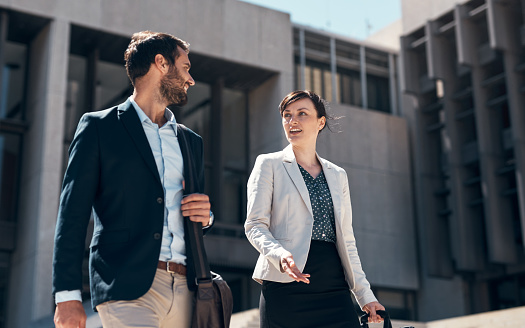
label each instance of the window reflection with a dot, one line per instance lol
(9, 165)
(13, 74)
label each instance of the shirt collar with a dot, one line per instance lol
(168, 114)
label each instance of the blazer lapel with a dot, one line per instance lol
(290, 164)
(129, 118)
(335, 186)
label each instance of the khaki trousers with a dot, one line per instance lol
(168, 303)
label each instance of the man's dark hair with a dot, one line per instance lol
(143, 48)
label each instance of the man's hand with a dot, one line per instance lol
(288, 266)
(371, 309)
(70, 314)
(197, 208)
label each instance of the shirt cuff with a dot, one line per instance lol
(68, 295)
(212, 217)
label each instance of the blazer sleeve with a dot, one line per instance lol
(258, 218)
(361, 288)
(76, 199)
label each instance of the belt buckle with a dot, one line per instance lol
(168, 267)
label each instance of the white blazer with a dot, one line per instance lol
(280, 219)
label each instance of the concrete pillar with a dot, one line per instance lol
(364, 91)
(394, 101)
(498, 218)
(333, 69)
(464, 228)
(4, 20)
(30, 293)
(505, 26)
(302, 59)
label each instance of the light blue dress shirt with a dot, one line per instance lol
(168, 157)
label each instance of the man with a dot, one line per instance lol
(126, 165)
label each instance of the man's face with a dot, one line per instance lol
(174, 85)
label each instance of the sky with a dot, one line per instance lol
(352, 18)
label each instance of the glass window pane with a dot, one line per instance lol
(317, 81)
(13, 75)
(378, 93)
(113, 85)
(327, 85)
(307, 78)
(9, 167)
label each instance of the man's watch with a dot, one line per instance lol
(210, 222)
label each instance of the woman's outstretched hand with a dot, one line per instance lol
(371, 309)
(288, 266)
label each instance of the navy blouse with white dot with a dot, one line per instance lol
(322, 206)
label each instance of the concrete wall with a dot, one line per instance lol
(416, 12)
(373, 148)
(227, 29)
(388, 36)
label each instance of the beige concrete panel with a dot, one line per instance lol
(398, 145)
(388, 36)
(416, 13)
(378, 141)
(439, 298)
(21, 285)
(266, 131)
(34, 7)
(243, 27)
(205, 26)
(276, 42)
(398, 216)
(388, 260)
(358, 182)
(89, 12)
(376, 202)
(355, 135)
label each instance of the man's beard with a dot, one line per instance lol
(172, 88)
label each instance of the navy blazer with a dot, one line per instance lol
(112, 172)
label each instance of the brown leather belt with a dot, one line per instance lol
(172, 267)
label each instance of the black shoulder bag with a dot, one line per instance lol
(213, 300)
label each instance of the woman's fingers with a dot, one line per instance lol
(291, 269)
(371, 309)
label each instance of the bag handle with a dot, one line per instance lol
(193, 230)
(386, 324)
(383, 314)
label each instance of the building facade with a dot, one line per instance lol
(60, 59)
(463, 83)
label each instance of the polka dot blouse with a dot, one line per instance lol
(322, 206)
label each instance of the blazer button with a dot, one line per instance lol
(156, 236)
(159, 200)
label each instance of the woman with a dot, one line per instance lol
(300, 220)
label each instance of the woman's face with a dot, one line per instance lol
(301, 124)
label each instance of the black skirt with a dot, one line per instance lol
(324, 303)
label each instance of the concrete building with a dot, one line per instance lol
(436, 171)
(463, 83)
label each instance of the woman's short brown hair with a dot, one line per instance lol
(321, 106)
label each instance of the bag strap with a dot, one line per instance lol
(193, 230)
(383, 314)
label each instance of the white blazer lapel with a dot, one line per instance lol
(335, 185)
(290, 164)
